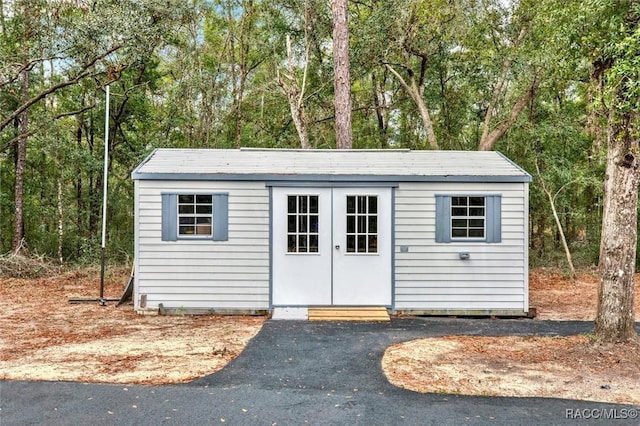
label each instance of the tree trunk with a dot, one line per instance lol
(295, 96)
(416, 92)
(379, 105)
(615, 317)
(498, 89)
(563, 239)
(21, 161)
(78, 183)
(60, 218)
(342, 74)
(488, 142)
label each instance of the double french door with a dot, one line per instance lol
(331, 246)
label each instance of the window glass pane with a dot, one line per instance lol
(476, 233)
(313, 204)
(313, 243)
(291, 204)
(302, 204)
(373, 204)
(373, 244)
(351, 243)
(313, 223)
(362, 204)
(459, 233)
(203, 229)
(302, 243)
(202, 208)
(458, 211)
(302, 224)
(291, 244)
(185, 198)
(201, 220)
(291, 223)
(187, 220)
(185, 209)
(476, 223)
(459, 223)
(362, 243)
(373, 224)
(458, 201)
(476, 201)
(476, 211)
(187, 230)
(362, 224)
(351, 224)
(203, 199)
(351, 204)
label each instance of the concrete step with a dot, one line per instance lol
(369, 313)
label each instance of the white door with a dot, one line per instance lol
(331, 246)
(362, 246)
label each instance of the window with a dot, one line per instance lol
(362, 224)
(195, 216)
(302, 224)
(468, 218)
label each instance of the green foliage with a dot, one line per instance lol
(204, 74)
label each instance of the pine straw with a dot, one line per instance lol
(20, 265)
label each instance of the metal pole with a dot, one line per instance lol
(104, 197)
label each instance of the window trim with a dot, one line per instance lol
(468, 217)
(195, 215)
(493, 218)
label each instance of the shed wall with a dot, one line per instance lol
(193, 274)
(431, 276)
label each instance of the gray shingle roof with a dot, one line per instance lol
(333, 165)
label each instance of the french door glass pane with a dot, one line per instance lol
(302, 224)
(373, 224)
(362, 224)
(373, 204)
(351, 243)
(351, 204)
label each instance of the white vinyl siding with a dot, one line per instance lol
(204, 274)
(431, 275)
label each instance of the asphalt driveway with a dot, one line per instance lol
(296, 372)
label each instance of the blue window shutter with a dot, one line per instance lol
(443, 219)
(494, 218)
(169, 217)
(220, 217)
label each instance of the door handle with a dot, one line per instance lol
(337, 246)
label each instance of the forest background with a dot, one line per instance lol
(531, 79)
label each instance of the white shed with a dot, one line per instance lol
(257, 231)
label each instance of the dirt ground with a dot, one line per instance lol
(572, 367)
(46, 338)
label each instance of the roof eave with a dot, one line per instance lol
(271, 177)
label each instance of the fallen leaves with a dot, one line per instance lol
(572, 367)
(46, 338)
